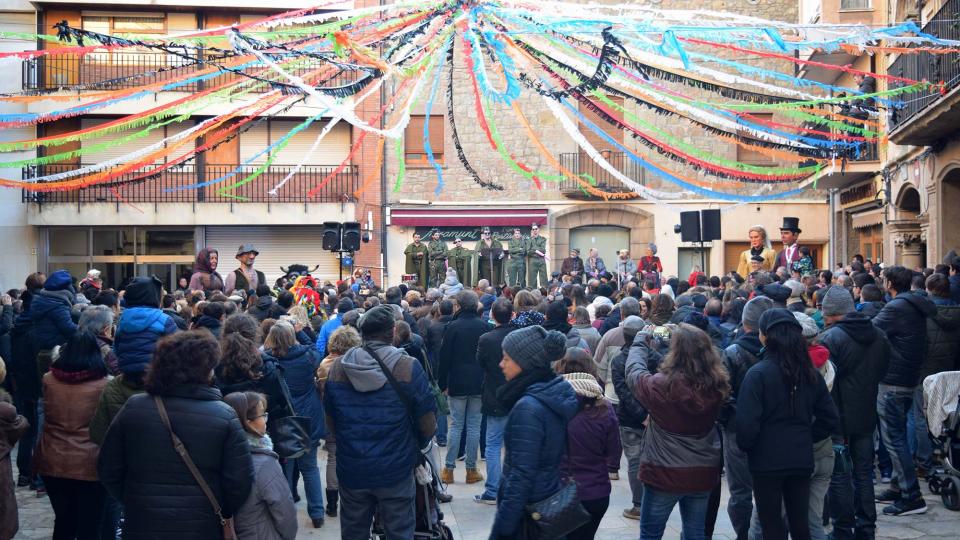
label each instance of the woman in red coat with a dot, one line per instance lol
(650, 265)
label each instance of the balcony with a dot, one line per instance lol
(339, 189)
(581, 164)
(130, 69)
(854, 168)
(930, 116)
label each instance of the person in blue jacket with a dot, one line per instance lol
(298, 364)
(343, 306)
(50, 311)
(142, 323)
(541, 405)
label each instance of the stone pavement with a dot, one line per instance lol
(471, 521)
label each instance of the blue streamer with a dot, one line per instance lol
(512, 90)
(427, 147)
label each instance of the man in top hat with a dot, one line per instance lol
(416, 259)
(460, 258)
(517, 268)
(490, 261)
(245, 277)
(537, 258)
(789, 235)
(437, 249)
(573, 265)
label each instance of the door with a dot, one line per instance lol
(607, 239)
(687, 258)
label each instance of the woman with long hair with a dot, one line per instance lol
(783, 407)
(681, 457)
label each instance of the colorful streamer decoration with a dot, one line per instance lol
(646, 83)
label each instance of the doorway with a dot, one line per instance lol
(687, 258)
(607, 239)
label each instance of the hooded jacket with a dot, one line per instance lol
(943, 342)
(451, 285)
(904, 319)
(534, 439)
(860, 353)
(376, 444)
(297, 368)
(738, 358)
(52, 323)
(138, 330)
(870, 309)
(266, 308)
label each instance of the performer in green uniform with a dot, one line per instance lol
(490, 258)
(460, 259)
(416, 262)
(536, 258)
(438, 259)
(516, 267)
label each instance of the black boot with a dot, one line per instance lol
(332, 497)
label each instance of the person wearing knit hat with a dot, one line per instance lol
(141, 325)
(795, 301)
(776, 292)
(753, 310)
(50, 311)
(837, 301)
(541, 405)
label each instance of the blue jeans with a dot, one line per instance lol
(442, 428)
(658, 505)
(395, 506)
(852, 508)
(495, 427)
(819, 484)
(893, 404)
(918, 439)
(312, 485)
(740, 483)
(465, 411)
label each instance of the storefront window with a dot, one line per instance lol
(112, 242)
(154, 242)
(69, 242)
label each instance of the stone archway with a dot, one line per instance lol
(638, 222)
(949, 223)
(909, 240)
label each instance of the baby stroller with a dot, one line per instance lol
(429, 518)
(941, 397)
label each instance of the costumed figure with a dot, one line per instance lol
(517, 267)
(461, 259)
(245, 277)
(594, 266)
(537, 258)
(759, 247)
(573, 265)
(437, 249)
(491, 255)
(790, 236)
(416, 263)
(650, 265)
(305, 294)
(205, 277)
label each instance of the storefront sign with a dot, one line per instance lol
(470, 234)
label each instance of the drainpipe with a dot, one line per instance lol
(383, 184)
(832, 230)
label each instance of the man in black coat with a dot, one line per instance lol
(631, 415)
(461, 377)
(904, 320)
(433, 339)
(860, 353)
(395, 296)
(489, 355)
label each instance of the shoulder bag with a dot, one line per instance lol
(291, 435)
(226, 523)
(443, 406)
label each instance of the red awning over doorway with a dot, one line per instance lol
(460, 217)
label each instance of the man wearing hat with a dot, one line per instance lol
(517, 268)
(245, 277)
(789, 235)
(537, 258)
(490, 260)
(437, 250)
(573, 265)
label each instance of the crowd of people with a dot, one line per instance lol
(183, 414)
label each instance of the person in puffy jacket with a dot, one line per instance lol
(783, 408)
(541, 405)
(298, 364)
(593, 440)
(139, 465)
(266, 307)
(269, 512)
(50, 311)
(141, 324)
(681, 456)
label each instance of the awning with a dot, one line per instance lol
(460, 217)
(869, 218)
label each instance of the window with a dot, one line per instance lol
(154, 23)
(415, 151)
(749, 155)
(854, 4)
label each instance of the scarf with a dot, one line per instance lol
(513, 390)
(560, 326)
(756, 251)
(76, 377)
(256, 441)
(584, 384)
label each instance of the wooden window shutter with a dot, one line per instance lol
(749, 155)
(414, 149)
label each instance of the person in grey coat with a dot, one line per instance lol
(269, 512)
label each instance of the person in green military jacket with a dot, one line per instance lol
(438, 259)
(416, 260)
(461, 259)
(517, 267)
(536, 258)
(490, 258)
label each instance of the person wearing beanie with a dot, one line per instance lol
(329, 327)
(783, 408)
(795, 301)
(541, 404)
(630, 413)
(377, 450)
(738, 358)
(50, 312)
(557, 320)
(266, 307)
(681, 459)
(141, 324)
(860, 353)
(836, 301)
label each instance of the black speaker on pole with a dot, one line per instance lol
(710, 222)
(690, 226)
(331, 235)
(351, 236)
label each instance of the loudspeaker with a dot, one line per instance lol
(351, 236)
(710, 220)
(331, 235)
(690, 226)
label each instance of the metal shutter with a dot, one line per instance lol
(116, 150)
(333, 149)
(279, 246)
(252, 141)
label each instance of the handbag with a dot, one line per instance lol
(226, 523)
(291, 435)
(557, 515)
